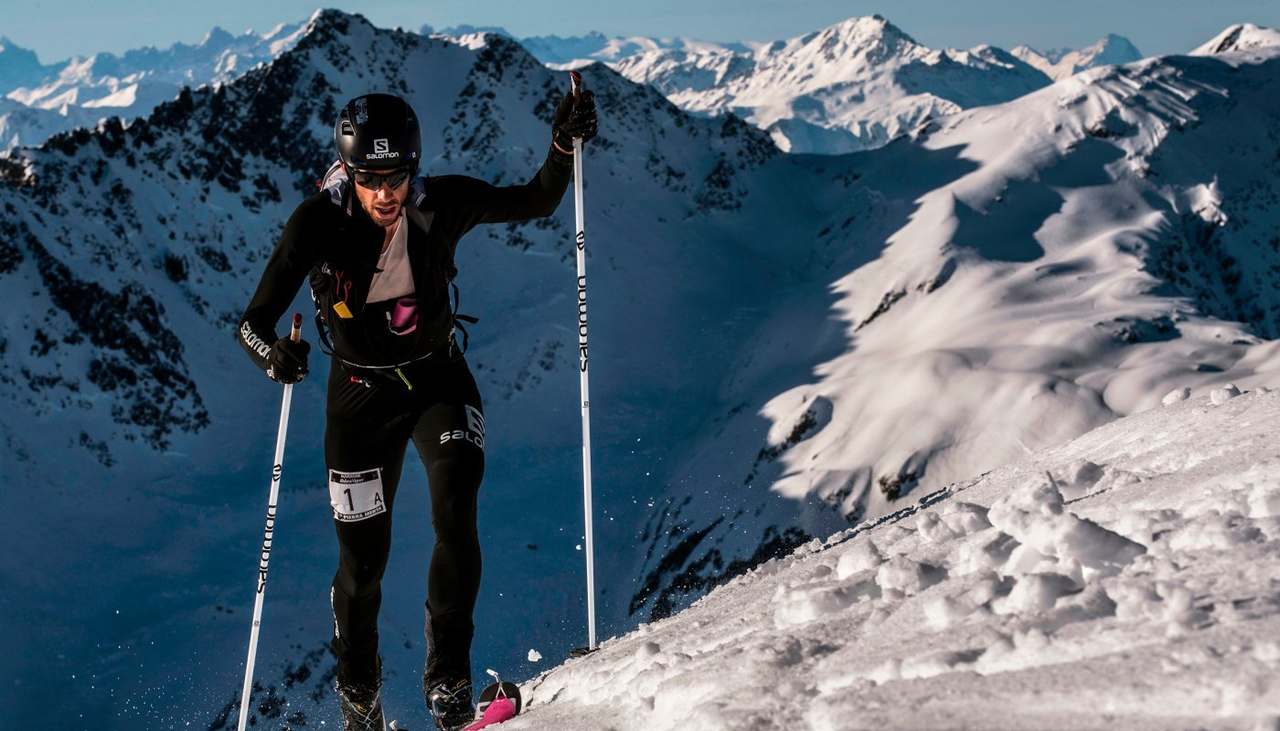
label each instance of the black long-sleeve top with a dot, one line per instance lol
(330, 238)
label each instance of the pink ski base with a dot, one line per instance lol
(501, 709)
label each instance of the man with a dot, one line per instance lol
(377, 243)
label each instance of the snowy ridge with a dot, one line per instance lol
(578, 51)
(1061, 63)
(854, 85)
(1122, 580)
(80, 91)
(1242, 38)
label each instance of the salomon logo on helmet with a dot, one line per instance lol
(377, 132)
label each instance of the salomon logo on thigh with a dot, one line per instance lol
(474, 433)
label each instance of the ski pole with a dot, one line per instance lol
(278, 466)
(575, 80)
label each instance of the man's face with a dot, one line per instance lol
(382, 195)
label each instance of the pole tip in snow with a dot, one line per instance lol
(296, 333)
(582, 651)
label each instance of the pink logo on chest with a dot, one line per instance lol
(403, 317)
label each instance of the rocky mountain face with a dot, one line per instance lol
(1060, 63)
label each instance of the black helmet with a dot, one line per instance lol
(378, 132)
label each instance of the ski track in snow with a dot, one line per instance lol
(1123, 580)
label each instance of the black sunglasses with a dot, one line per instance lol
(374, 181)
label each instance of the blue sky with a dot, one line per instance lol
(1156, 26)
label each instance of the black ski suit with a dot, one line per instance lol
(385, 389)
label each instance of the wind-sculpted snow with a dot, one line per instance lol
(1122, 580)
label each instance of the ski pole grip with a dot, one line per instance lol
(295, 334)
(575, 83)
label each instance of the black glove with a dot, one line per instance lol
(287, 361)
(575, 117)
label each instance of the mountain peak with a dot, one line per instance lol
(1060, 63)
(872, 37)
(216, 35)
(1240, 37)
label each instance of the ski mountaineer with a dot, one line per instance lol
(377, 244)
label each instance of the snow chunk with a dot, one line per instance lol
(965, 518)
(904, 577)
(1264, 501)
(986, 552)
(1216, 530)
(932, 529)
(861, 556)
(798, 606)
(1220, 396)
(1035, 593)
(534, 656)
(1035, 516)
(1176, 395)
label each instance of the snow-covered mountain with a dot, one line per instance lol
(852, 86)
(578, 51)
(1060, 63)
(1123, 580)
(568, 52)
(1239, 39)
(1004, 280)
(80, 91)
(785, 344)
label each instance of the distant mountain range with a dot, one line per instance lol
(851, 86)
(41, 100)
(1063, 62)
(854, 85)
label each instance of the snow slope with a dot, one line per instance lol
(80, 91)
(1009, 278)
(854, 85)
(1060, 63)
(1125, 579)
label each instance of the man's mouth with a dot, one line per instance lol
(387, 211)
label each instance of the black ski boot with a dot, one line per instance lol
(361, 707)
(450, 702)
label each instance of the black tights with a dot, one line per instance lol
(367, 430)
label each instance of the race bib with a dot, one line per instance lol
(356, 495)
